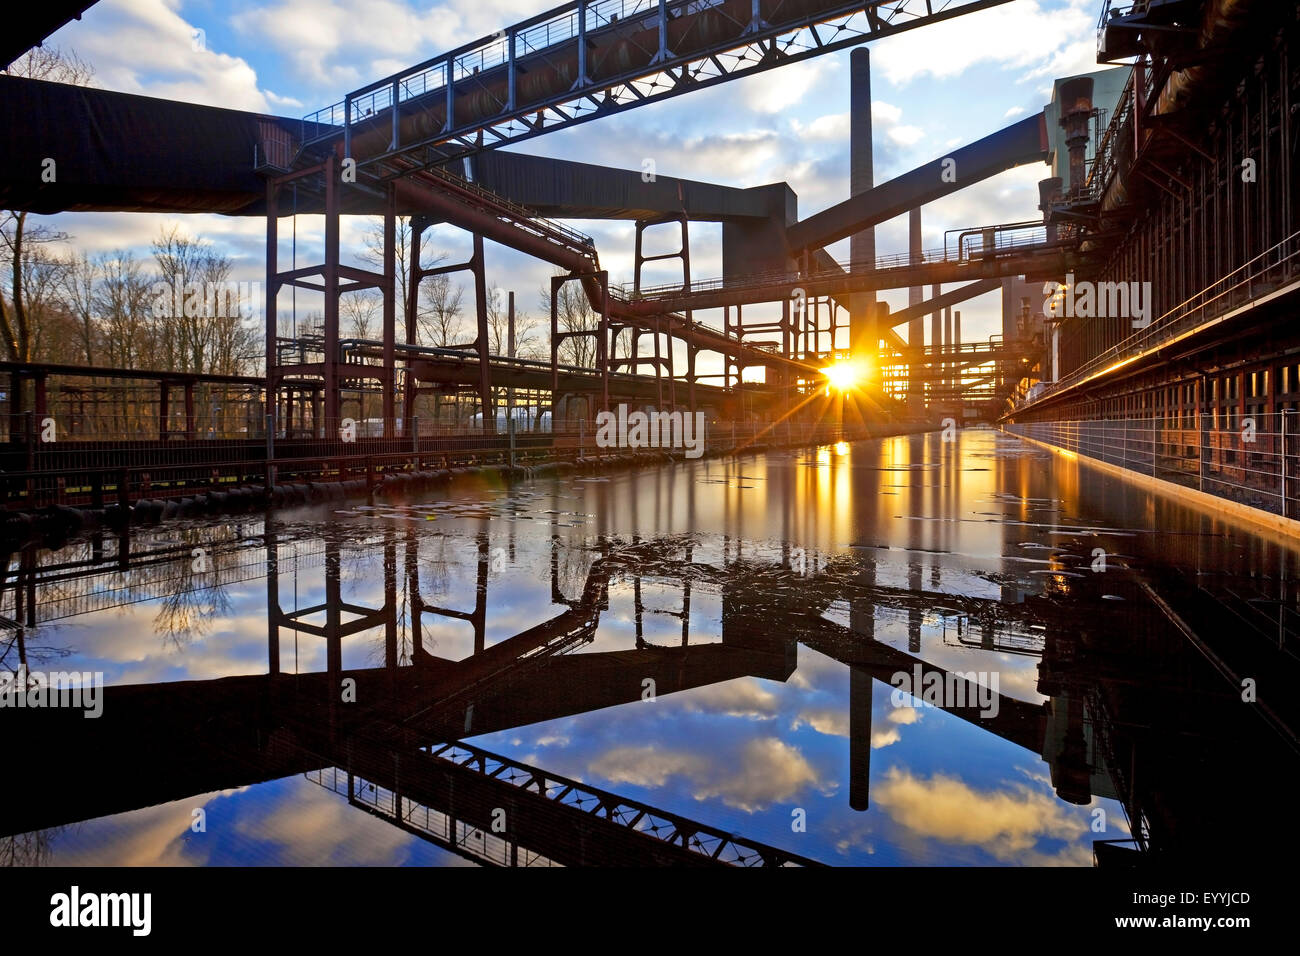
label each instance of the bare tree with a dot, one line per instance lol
(22, 253)
(122, 303)
(201, 329)
(359, 314)
(373, 255)
(574, 314)
(53, 64)
(527, 343)
(50, 322)
(78, 290)
(439, 319)
(21, 242)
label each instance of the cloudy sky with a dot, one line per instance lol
(934, 89)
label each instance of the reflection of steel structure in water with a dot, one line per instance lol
(1006, 640)
(464, 825)
(437, 827)
(119, 570)
(767, 611)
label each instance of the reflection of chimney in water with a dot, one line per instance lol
(862, 623)
(914, 614)
(860, 685)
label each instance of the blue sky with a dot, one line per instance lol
(934, 88)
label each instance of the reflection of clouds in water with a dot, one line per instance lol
(154, 836)
(832, 723)
(1008, 824)
(646, 766)
(313, 827)
(291, 822)
(1021, 681)
(123, 644)
(883, 738)
(899, 716)
(771, 771)
(817, 671)
(768, 771)
(743, 697)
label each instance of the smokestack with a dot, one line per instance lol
(1076, 113)
(916, 327)
(936, 340)
(863, 334)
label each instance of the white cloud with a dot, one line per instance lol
(113, 38)
(777, 91)
(1007, 823)
(884, 738)
(904, 715)
(831, 128)
(906, 135)
(832, 722)
(1015, 36)
(743, 697)
(646, 766)
(769, 771)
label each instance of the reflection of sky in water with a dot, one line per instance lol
(289, 822)
(981, 520)
(744, 754)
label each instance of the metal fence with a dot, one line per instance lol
(71, 471)
(1249, 459)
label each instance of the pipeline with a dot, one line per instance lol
(1221, 22)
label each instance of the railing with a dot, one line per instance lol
(532, 36)
(433, 825)
(1249, 459)
(636, 48)
(971, 243)
(112, 572)
(691, 836)
(967, 247)
(1115, 143)
(1269, 269)
(1113, 9)
(521, 214)
(101, 473)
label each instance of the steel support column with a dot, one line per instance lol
(389, 379)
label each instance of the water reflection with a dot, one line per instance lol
(691, 665)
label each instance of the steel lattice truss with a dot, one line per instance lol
(699, 838)
(775, 33)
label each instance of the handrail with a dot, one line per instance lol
(1174, 320)
(521, 211)
(851, 266)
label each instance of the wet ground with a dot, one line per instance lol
(904, 652)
